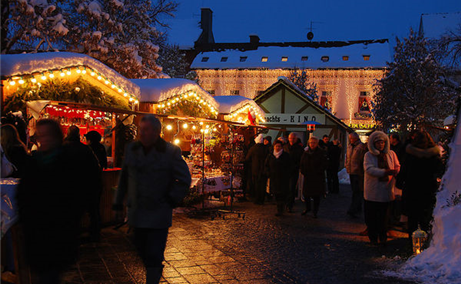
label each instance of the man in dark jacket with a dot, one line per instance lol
(155, 178)
(313, 165)
(256, 156)
(89, 164)
(295, 150)
(334, 155)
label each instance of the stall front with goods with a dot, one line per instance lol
(205, 130)
(74, 89)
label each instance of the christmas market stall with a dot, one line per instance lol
(74, 89)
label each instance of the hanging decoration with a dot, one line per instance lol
(189, 104)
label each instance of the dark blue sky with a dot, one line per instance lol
(277, 20)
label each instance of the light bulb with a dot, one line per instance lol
(169, 127)
(185, 126)
(33, 80)
(176, 141)
(12, 83)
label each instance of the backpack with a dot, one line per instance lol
(6, 167)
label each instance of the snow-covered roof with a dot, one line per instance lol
(433, 26)
(229, 104)
(157, 90)
(25, 64)
(359, 55)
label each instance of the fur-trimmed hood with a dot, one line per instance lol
(422, 153)
(377, 135)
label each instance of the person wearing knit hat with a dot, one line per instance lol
(256, 157)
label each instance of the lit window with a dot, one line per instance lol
(243, 58)
(345, 58)
(234, 92)
(224, 59)
(205, 59)
(364, 94)
(211, 92)
(304, 58)
(284, 58)
(325, 58)
(264, 59)
(366, 57)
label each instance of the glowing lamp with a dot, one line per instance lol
(194, 127)
(419, 238)
(125, 94)
(51, 75)
(107, 82)
(33, 80)
(78, 71)
(176, 141)
(43, 77)
(12, 83)
(185, 126)
(92, 73)
(310, 127)
(136, 102)
(169, 127)
(99, 77)
(68, 72)
(62, 74)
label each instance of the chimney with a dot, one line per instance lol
(254, 39)
(206, 24)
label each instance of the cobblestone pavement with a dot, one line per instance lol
(261, 248)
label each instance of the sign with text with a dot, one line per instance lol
(293, 118)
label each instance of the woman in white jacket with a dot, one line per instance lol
(381, 166)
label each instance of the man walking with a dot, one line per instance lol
(155, 178)
(295, 150)
(354, 165)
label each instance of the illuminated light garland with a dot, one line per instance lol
(63, 73)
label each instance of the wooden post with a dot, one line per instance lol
(114, 123)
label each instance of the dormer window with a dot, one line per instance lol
(205, 59)
(284, 58)
(366, 57)
(243, 58)
(224, 59)
(304, 58)
(325, 58)
(264, 59)
(345, 58)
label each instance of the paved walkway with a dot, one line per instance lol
(261, 248)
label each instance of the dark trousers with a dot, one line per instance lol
(259, 189)
(95, 217)
(316, 200)
(333, 181)
(357, 194)
(376, 220)
(419, 214)
(280, 198)
(292, 190)
(151, 244)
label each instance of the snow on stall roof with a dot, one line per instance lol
(290, 57)
(25, 64)
(229, 104)
(156, 90)
(436, 25)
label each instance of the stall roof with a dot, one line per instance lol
(157, 90)
(25, 64)
(229, 104)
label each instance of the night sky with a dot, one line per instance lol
(275, 20)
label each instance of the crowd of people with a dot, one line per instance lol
(392, 183)
(63, 178)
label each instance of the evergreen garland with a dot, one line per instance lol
(189, 108)
(79, 91)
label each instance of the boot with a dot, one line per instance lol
(153, 275)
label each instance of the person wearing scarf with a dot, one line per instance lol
(313, 165)
(381, 166)
(278, 168)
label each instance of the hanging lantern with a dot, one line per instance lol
(419, 238)
(310, 127)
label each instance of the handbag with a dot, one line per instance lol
(6, 167)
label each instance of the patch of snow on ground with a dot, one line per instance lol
(343, 177)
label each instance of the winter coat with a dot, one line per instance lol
(278, 170)
(354, 158)
(421, 169)
(100, 152)
(154, 184)
(257, 156)
(334, 156)
(51, 198)
(375, 188)
(295, 151)
(313, 165)
(17, 155)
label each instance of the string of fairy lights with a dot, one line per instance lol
(188, 96)
(244, 110)
(203, 128)
(68, 71)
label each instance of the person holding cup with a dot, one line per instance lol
(381, 165)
